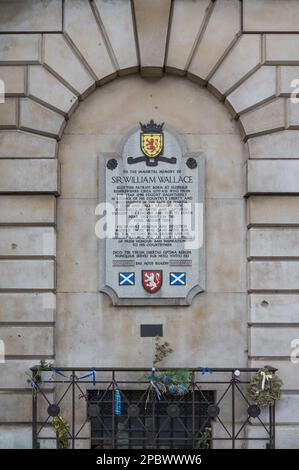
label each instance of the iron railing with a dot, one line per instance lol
(216, 400)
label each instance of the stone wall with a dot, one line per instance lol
(246, 54)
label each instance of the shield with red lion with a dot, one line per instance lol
(152, 280)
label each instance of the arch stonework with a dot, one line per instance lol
(245, 53)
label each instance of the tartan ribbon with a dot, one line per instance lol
(117, 402)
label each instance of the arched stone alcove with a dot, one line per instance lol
(86, 317)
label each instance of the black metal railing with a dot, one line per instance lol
(216, 402)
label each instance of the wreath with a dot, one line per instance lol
(264, 388)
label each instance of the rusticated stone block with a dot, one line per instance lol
(29, 176)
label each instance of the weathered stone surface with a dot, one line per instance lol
(152, 27)
(14, 79)
(77, 267)
(27, 209)
(234, 68)
(27, 307)
(38, 118)
(258, 88)
(60, 59)
(273, 210)
(287, 79)
(212, 46)
(282, 49)
(272, 176)
(14, 436)
(27, 340)
(31, 15)
(273, 242)
(285, 437)
(89, 41)
(26, 274)
(29, 175)
(19, 436)
(76, 167)
(99, 315)
(286, 370)
(292, 115)
(273, 275)
(20, 48)
(18, 144)
(266, 118)
(266, 15)
(17, 407)
(120, 32)
(273, 308)
(283, 144)
(179, 102)
(9, 113)
(45, 88)
(225, 158)
(182, 40)
(272, 341)
(225, 246)
(27, 241)
(14, 374)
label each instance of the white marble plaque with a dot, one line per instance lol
(151, 220)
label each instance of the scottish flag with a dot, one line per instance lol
(126, 279)
(177, 279)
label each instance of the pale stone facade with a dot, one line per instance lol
(241, 58)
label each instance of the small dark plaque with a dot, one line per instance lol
(151, 330)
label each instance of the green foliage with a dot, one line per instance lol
(162, 350)
(204, 439)
(61, 428)
(174, 381)
(264, 388)
(44, 365)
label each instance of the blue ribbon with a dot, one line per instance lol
(58, 372)
(91, 374)
(206, 370)
(33, 384)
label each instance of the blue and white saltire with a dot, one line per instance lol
(126, 279)
(177, 279)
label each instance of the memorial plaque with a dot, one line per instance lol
(151, 224)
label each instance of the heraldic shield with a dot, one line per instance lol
(151, 139)
(152, 280)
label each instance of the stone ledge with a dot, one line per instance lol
(272, 210)
(29, 176)
(21, 209)
(31, 16)
(27, 274)
(268, 15)
(14, 78)
(46, 89)
(27, 241)
(274, 308)
(19, 144)
(264, 119)
(20, 49)
(273, 242)
(273, 276)
(29, 307)
(272, 177)
(272, 341)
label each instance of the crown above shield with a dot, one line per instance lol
(152, 127)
